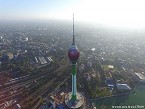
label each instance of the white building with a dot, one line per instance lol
(42, 60)
(18, 106)
(110, 67)
(123, 87)
(141, 77)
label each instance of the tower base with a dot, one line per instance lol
(74, 104)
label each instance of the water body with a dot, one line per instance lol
(133, 99)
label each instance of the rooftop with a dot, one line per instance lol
(123, 87)
(140, 76)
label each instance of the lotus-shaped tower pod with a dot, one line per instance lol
(73, 54)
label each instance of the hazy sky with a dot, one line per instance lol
(33, 8)
(121, 13)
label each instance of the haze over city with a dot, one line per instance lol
(72, 54)
(117, 13)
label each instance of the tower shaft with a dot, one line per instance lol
(74, 87)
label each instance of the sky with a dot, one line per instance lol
(35, 9)
(119, 13)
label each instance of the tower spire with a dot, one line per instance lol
(73, 43)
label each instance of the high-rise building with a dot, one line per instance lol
(74, 99)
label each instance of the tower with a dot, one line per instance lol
(74, 99)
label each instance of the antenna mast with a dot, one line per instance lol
(73, 32)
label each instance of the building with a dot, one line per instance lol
(42, 60)
(47, 105)
(140, 77)
(109, 82)
(18, 106)
(110, 67)
(123, 87)
(10, 55)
